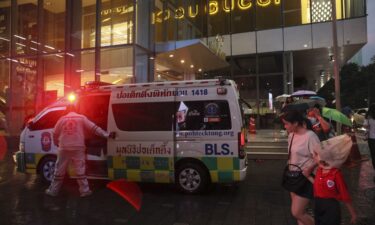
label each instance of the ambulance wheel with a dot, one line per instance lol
(192, 178)
(47, 168)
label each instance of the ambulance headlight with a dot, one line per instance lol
(21, 147)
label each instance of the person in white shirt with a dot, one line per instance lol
(69, 135)
(369, 124)
(301, 142)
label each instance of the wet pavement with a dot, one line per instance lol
(259, 200)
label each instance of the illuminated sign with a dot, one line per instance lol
(214, 7)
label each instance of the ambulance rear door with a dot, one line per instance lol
(95, 107)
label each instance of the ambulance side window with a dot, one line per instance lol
(48, 121)
(203, 115)
(147, 116)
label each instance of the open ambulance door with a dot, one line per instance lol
(95, 108)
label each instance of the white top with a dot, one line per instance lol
(302, 150)
(69, 132)
(370, 125)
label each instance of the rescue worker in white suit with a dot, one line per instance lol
(69, 136)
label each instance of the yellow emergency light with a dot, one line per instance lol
(72, 97)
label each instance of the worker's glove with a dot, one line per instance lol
(112, 135)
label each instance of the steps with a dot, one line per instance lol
(267, 149)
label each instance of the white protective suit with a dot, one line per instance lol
(69, 136)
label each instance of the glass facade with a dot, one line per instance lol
(49, 48)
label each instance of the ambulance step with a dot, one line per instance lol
(267, 155)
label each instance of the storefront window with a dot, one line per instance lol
(142, 61)
(354, 8)
(296, 12)
(243, 16)
(4, 28)
(116, 65)
(270, 63)
(191, 19)
(4, 94)
(219, 14)
(321, 10)
(25, 36)
(248, 88)
(83, 24)
(83, 68)
(268, 14)
(164, 19)
(54, 26)
(24, 91)
(116, 22)
(143, 31)
(53, 77)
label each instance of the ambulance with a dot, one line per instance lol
(189, 133)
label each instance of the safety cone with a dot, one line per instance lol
(252, 129)
(354, 157)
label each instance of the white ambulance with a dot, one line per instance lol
(189, 133)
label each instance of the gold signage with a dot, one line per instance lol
(213, 8)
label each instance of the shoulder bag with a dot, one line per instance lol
(293, 179)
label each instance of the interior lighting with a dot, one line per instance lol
(171, 56)
(105, 20)
(152, 58)
(47, 46)
(305, 45)
(3, 39)
(21, 44)
(80, 71)
(191, 66)
(199, 70)
(182, 61)
(70, 54)
(20, 37)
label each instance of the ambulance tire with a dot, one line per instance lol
(47, 168)
(192, 178)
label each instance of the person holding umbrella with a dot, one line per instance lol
(320, 126)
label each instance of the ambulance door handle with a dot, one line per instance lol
(31, 136)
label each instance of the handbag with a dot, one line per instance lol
(293, 179)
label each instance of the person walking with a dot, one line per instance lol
(369, 124)
(329, 183)
(301, 142)
(69, 135)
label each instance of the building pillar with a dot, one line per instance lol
(291, 73)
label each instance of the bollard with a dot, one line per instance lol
(252, 129)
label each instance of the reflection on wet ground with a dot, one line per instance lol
(258, 200)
